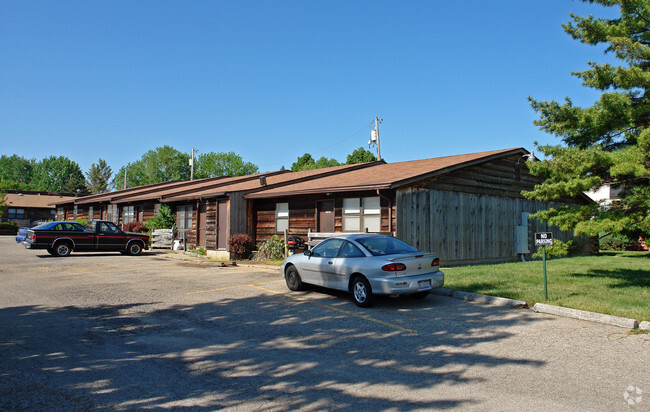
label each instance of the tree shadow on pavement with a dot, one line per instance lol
(272, 351)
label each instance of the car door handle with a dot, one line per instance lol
(330, 263)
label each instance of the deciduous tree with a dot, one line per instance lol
(57, 174)
(213, 164)
(608, 142)
(16, 172)
(161, 164)
(360, 155)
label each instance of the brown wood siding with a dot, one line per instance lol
(303, 211)
(468, 228)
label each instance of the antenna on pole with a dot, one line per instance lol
(374, 136)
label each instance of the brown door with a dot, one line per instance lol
(222, 224)
(325, 215)
(200, 225)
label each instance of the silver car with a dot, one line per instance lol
(365, 265)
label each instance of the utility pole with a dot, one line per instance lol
(192, 166)
(125, 169)
(374, 136)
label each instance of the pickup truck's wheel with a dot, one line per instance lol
(62, 249)
(362, 292)
(134, 248)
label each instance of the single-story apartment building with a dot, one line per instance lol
(26, 207)
(467, 208)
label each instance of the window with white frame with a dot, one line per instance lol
(91, 216)
(75, 212)
(156, 208)
(372, 214)
(52, 214)
(362, 214)
(281, 217)
(60, 213)
(128, 214)
(184, 217)
(352, 215)
(111, 213)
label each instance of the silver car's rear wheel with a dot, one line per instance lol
(362, 292)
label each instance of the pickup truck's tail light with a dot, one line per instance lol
(34, 237)
(435, 262)
(393, 267)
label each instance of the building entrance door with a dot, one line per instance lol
(325, 215)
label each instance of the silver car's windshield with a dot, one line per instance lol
(380, 246)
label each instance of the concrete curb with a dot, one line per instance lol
(645, 325)
(585, 315)
(491, 300)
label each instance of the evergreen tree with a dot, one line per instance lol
(609, 142)
(98, 177)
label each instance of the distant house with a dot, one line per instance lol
(467, 208)
(26, 208)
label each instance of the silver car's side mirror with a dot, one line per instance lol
(307, 253)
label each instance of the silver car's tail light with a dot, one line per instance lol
(393, 267)
(435, 262)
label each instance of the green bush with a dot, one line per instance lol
(10, 228)
(165, 219)
(557, 249)
(241, 245)
(271, 249)
(82, 222)
(616, 241)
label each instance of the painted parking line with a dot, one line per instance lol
(196, 292)
(356, 315)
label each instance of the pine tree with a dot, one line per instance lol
(609, 142)
(98, 177)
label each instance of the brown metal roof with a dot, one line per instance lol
(35, 200)
(384, 176)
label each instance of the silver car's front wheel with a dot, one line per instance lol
(362, 292)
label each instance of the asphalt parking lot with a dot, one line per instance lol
(161, 331)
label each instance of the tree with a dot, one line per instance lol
(161, 164)
(57, 174)
(3, 203)
(98, 177)
(307, 162)
(213, 164)
(164, 219)
(16, 172)
(360, 155)
(609, 142)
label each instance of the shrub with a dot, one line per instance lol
(271, 249)
(557, 249)
(136, 227)
(241, 245)
(9, 227)
(82, 222)
(615, 241)
(165, 219)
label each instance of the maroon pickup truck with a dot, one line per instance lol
(61, 238)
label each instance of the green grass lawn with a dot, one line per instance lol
(615, 283)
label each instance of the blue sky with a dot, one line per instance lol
(271, 80)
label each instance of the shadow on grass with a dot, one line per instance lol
(624, 277)
(267, 351)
